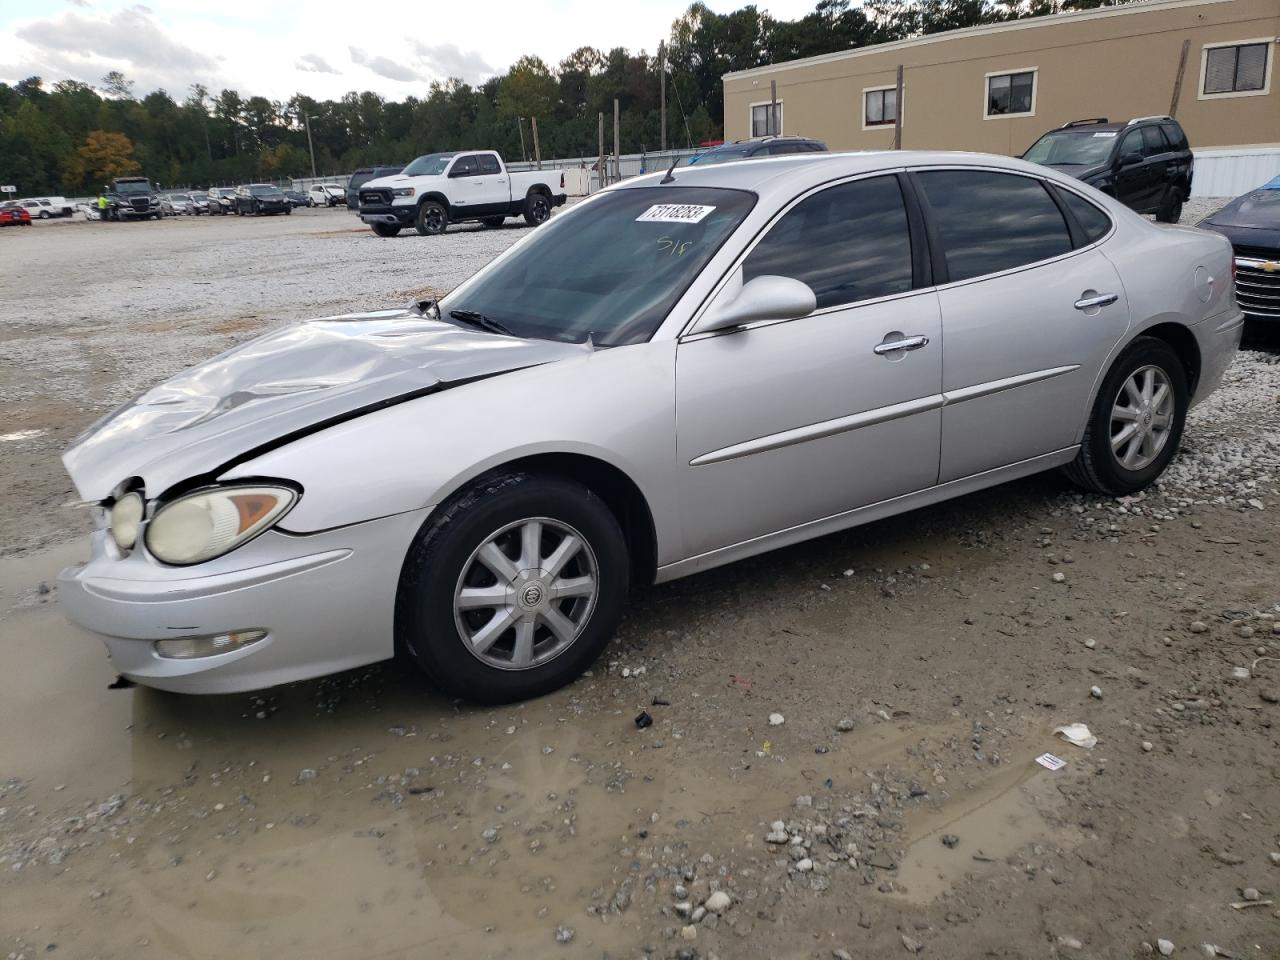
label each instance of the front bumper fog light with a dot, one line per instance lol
(192, 648)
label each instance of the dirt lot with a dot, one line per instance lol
(920, 666)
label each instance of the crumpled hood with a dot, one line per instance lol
(289, 381)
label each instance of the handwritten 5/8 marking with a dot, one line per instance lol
(674, 248)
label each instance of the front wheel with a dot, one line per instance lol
(537, 209)
(1170, 209)
(513, 588)
(1136, 423)
(386, 229)
(432, 219)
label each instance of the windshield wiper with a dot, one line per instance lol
(481, 321)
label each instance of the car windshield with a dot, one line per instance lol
(133, 186)
(609, 271)
(432, 165)
(1072, 147)
(263, 190)
(722, 154)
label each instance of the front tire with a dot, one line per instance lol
(513, 588)
(386, 229)
(432, 219)
(1136, 423)
(537, 209)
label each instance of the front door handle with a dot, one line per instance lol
(1100, 300)
(894, 346)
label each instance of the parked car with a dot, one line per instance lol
(443, 187)
(254, 199)
(13, 214)
(176, 204)
(199, 203)
(327, 195)
(132, 198)
(757, 148)
(1252, 224)
(297, 198)
(320, 497)
(58, 206)
(1144, 163)
(362, 176)
(222, 200)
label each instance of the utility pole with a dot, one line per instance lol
(1177, 83)
(617, 139)
(537, 149)
(310, 146)
(523, 155)
(600, 166)
(662, 66)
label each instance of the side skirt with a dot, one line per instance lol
(861, 515)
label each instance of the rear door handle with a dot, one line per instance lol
(906, 343)
(1101, 300)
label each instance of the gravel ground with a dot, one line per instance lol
(842, 755)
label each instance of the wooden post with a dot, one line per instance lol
(600, 166)
(897, 112)
(537, 149)
(1177, 83)
(617, 140)
(772, 127)
(662, 66)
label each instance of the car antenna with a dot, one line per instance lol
(669, 178)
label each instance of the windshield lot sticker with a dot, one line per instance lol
(674, 213)
(1104, 134)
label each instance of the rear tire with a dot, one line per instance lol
(537, 209)
(386, 229)
(432, 219)
(439, 626)
(1170, 209)
(1114, 456)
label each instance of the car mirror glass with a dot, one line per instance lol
(762, 298)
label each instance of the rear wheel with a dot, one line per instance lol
(494, 221)
(432, 219)
(1170, 209)
(1136, 423)
(386, 229)
(537, 209)
(513, 588)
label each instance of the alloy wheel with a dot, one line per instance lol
(526, 593)
(1141, 417)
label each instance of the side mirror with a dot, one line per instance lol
(764, 298)
(1131, 158)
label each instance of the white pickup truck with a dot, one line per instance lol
(441, 188)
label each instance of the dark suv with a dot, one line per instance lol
(1145, 163)
(362, 176)
(756, 148)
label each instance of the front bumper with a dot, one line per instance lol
(401, 214)
(326, 601)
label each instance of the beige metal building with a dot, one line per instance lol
(997, 88)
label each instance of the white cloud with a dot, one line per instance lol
(313, 63)
(445, 61)
(383, 66)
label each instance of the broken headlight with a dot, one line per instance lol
(209, 523)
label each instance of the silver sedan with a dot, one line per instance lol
(682, 371)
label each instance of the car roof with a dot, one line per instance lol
(790, 174)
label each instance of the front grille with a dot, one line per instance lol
(139, 204)
(375, 196)
(1258, 290)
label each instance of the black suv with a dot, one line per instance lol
(363, 176)
(756, 148)
(1145, 163)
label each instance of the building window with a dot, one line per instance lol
(1236, 69)
(879, 107)
(760, 126)
(1011, 94)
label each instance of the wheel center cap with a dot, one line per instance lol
(531, 595)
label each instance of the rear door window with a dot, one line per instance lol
(1153, 141)
(1093, 221)
(1173, 133)
(489, 164)
(989, 221)
(849, 242)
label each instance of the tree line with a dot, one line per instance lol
(69, 137)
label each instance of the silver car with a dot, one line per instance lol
(682, 371)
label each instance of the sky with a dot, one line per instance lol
(275, 48)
